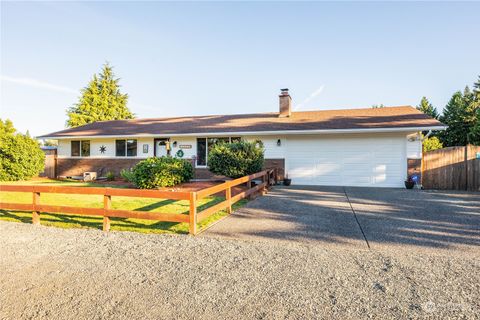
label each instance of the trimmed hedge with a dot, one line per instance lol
(20, 155)
(161, 172)
(236, 159)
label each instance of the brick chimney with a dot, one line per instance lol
(285, 104)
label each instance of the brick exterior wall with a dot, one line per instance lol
(414, 166)
(76, 167)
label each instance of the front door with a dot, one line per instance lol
(162, 147)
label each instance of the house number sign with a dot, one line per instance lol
(185, 146)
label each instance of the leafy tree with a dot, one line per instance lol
(101, 100)
(236, 159)
(6, 128)
(426, 107)
(432, 143)
(20, 156)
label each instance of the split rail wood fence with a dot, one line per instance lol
(452, 168)
(267, 177)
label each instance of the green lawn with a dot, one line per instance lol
(96, 201)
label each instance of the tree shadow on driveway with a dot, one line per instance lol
(388, 217)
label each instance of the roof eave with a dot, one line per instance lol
(262, 133)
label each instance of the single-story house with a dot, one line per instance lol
(354, 147)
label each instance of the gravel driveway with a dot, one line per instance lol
(50, 273)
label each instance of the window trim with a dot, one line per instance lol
(80, 151)
(205, 166)
(125, 151)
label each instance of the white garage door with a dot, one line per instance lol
(352, 161)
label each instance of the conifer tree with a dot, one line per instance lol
(454, 115)
(101, 100)
(426, 107)
(474, 112)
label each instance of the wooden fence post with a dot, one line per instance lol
(228, 196)
(35, 213)
(465, 163)
(193, 213)
(264, 182)
(107, 205)
(249, 186)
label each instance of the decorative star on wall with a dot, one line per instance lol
(103, 149)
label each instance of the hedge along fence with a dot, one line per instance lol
(268, 178)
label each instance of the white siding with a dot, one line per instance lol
(184, 141)
(63, 149)
(272, 150)
(414, 147)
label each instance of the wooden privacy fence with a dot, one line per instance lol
(268, 177)
(454, 168)
(50, 170)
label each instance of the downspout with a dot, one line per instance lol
(427, 135)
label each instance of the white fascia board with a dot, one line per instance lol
(256, 133)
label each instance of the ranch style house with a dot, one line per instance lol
(356, 147)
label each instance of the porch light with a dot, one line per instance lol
(279, 143)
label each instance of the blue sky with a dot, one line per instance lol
(214, 58)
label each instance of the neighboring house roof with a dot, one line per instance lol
(371, 119)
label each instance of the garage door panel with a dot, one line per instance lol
(356, 180)
(350, 162)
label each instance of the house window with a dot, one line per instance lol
(80, 148)
(131, 148)
(126, 148)
(85, 148)
(120, 147)
(75, 149)
(206, 144)
(201, 152)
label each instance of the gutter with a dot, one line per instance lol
(247, 133)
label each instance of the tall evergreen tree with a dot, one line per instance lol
(101, 100)
(426, 107)
(474, 112)
(454, 115)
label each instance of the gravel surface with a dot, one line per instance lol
(87, 274)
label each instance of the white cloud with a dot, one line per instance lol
(37, 84)
(312, 96)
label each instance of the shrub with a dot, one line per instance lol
(127, 174)
(20, 156)
(432, 143)
(161, 172)
(236, 159)
(110, 176)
